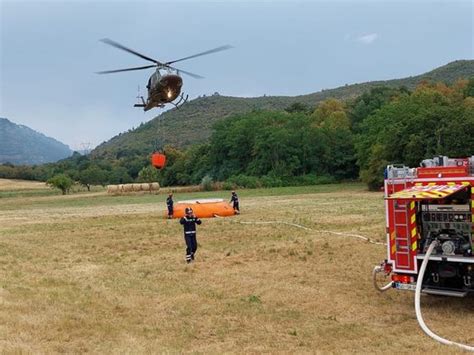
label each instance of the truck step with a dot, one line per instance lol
(438, 292)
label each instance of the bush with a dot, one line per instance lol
(207, 183)
(271, 181)
(250, 182)
(228, 185)
(61, 182)
(218, 186)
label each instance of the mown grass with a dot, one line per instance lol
(85, 199)
(95, 273)
(20, 188)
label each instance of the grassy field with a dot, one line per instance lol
(97, 273)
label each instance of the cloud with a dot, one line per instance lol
(367, 38)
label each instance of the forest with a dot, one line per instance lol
(301, 145)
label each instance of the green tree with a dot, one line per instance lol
(148, 174)
(282, 146)
(331, 114)
(119, 175)
(174, 173)
(469, 89)
(434, 120)
(93, 175)
(369, 102)
(340, 153)
(61, 182)
(372, 175)
(297, 107)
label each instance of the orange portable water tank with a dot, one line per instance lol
(158, 160)
(204, 208)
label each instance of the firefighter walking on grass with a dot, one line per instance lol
(169, 204)
(189, 222)
(234, 199)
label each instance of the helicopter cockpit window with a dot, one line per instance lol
(149, 84)
(153, 80)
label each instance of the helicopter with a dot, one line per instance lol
(163, 88)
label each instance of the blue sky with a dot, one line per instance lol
(49, 52)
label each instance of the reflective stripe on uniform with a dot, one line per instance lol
(190, 232)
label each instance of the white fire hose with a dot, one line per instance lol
(376, 270)
(419, 317)
(388, 286)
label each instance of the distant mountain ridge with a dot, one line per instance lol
(21, 145)
(193, 122)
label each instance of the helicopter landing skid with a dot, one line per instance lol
(182, 100)
(140, 104)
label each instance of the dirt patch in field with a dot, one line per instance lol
(15, 185)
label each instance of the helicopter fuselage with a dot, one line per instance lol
(162, 89)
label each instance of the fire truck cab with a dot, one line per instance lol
(433, 202)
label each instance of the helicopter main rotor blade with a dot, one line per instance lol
(119, 46)
(195, 76)
(127, 69)
(218, 49)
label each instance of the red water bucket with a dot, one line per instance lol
(158, 160)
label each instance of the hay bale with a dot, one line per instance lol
(127, 188)
(145, 187)
(155, 186)
(137, 187)
(112, 189)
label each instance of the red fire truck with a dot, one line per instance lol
(431, 204)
